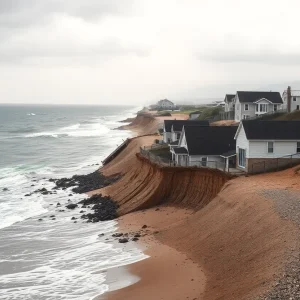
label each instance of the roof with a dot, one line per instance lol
(272, 130)
(229, 97)
(165, 100)
(180, 150)
(229, 153)
(214, 140)
(178, 124)
(198, 112)
(273, 97)
(175, 143)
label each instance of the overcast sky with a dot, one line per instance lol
(139, 51)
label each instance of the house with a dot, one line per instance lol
(291, 99)
(195, 115)
(229, 104)
(251, 104)
(205, 146)
(173, 128)
(165, 104)
(262, 145)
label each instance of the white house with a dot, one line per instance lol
(251, 104)
(205, 146)
(172, 128)
(165, 104)
(291, 99)
(229, 103)
(262, 145)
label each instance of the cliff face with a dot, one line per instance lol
(145, 184)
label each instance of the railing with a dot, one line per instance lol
(161, 161)
(112, 155)
(275, 164)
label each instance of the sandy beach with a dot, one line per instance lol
(208, 236)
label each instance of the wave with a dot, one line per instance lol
(77, 130)
(31, 114)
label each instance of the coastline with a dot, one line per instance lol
(167, 273)
(235, 245)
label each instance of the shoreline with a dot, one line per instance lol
(167, 273)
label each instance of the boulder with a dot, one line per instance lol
(123, 241)
(71, 206)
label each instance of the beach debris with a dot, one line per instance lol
(72, 206)
(117, 235)
(123, 240)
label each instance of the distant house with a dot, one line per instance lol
(291, 99)
(251, 104)
(205, 146)
(259, 144)
(165, 104)
(172, 128)
(229, 103)
(195, 115)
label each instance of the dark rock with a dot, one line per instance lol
(27, 195)
(156, 232)
(101, 234)
(124, 240)
(157, 209)
(85, 183)
(58, 204)
(5, 189)
(53, 216)
(82, 212)
(32, 185)
(70, 195)
(117, 235)
(144, 226)
(61, 210)
(137, 235)
(135, 239)
(75, 221)
(53, 219)
(71, 206)
(73, 218)
(40, 219)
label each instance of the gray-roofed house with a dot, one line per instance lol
(229, 103)
(172, 128)
(267, 145)
(205, 146)
(251, 104)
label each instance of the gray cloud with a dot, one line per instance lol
(21, 13)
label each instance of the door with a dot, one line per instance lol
(242, 158)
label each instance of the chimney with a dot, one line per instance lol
(289, 99)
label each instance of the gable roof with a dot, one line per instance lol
(229, 97)
(272, 130)
(178, 124)
(166, 101)
(273, 97)
(214, 140)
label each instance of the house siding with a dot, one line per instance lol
(212, 161)
(167, 136)
(259, 149)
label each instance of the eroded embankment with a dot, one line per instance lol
(146, 184)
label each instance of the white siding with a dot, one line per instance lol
(237, 109)
(212, 161)
(259, 149)
(241, 141)
(166, 136)
(182, 141)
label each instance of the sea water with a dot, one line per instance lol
(55, 258)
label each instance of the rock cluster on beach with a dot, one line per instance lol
(85, 183)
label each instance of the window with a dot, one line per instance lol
(270, 147)
(246, 106)
(203, 161)
(261, 108)
(294, 99)
(297, 107)
(275, 107)
(298, 147)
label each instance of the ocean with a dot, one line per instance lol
(55, 258)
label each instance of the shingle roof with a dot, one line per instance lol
(229, 97)
(274, 97)
(178, 124)
(214, 140)
(272, 130)
(180, 150)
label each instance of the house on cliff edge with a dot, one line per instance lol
(172, 129)
(267, 145)
(206, 146)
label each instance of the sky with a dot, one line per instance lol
(139, 51)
